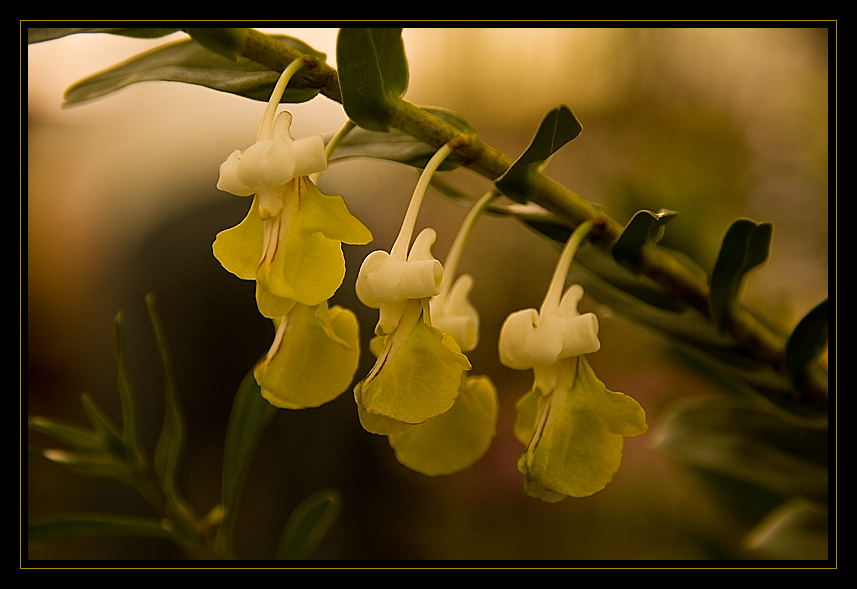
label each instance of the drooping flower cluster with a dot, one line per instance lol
(438, 419)
(572, 426)
(290, 243)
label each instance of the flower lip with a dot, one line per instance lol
(386, 278)
(272, 163)
(528, 339)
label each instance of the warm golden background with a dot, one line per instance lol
(716, 123)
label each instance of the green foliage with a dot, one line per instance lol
(250, 414)
(746, 245)
(105, 450)
(38, 35)
(189, 62)
(230, 43)
(308, 524)
(643, 229)
(373, 75)
(558, 127)
(113, 452)
(807, 342)
(109, 451)
(398, 146)
(739, 440)
(94, 525)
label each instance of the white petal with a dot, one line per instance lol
(455, 315)
(525, 342)
(385, 279)
(229, 176)
(580, 335)
(309, 155)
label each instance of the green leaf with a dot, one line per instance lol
(558, 127)
(796, 530)
(99, 465)
(189, 62)
(171, 440)
(747, 244)
(248, 419)
(736, 438)
(308, 524)
(38, 35)
(127, 398)
(90, 525)
(373, 75)
(71, 435)
(643, 229)
(806, 342)
(398, 146)
(228, 42)
(107, 432)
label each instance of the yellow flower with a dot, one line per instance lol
(572, 425)
(419, 368)
(313, 359)
(456, 439)
(290, 241)
(416, 369)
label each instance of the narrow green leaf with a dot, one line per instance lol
(747, 244)
(71, 435)
(308, 523)
(126, 395)
(796, 530)
(38, 35)
(99, 465)
(189, 62)
(558, 127)
(107, 432)
(170, 444)
(373, 74)
(643, 229)
(228, 42)
(90, 525)
(250, 415)
(398, 146)
(806, 342)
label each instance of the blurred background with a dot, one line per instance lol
(121, 201)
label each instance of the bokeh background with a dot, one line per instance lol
(715, 123)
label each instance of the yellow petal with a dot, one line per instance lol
(455, 440)
(579, 435)
(239, 249)
(306, 367)
(329, 215)
(307, 268)
(527, 409)
(417, 374)
(305, 263)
